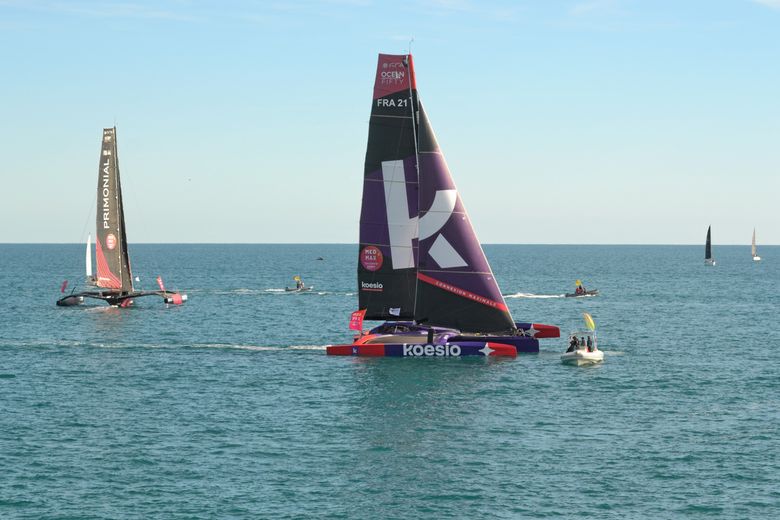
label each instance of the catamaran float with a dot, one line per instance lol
(114, 279)
(420, 264)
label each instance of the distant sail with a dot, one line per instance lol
(113, 263)
(88, 257)
(753, 245)
(708, 245)
(387, 256)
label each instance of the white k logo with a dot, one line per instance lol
(403, 229)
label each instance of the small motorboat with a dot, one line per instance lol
(299, 286)
(592, 292)
(583, 347)
(579, 352)
(580, 291)
(299, 289)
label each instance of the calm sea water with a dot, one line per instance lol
(228, 406)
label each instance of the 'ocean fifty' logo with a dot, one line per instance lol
(431, 350)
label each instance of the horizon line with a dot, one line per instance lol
(357, 244)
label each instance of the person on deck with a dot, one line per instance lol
(590, 345)
(572, 344)
(299, 284)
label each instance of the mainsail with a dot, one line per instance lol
(88, 257)
(708, 246)
(388, 218)
(113, 263)
(419, 256)
(753, 245)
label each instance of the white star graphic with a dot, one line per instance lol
(486, 350)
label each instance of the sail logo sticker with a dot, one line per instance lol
(403, 230)
(111, 241)
(394, 76)
(106, 193)
(372, 286)
(445, 350)
(371, 258)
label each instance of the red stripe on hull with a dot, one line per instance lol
(340, 350)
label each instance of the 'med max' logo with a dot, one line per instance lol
(403, 229)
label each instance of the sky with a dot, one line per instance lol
(580, 121)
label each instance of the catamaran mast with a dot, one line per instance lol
(410, 71)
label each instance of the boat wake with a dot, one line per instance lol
(532, 295)
(258, 348)
(226, 346)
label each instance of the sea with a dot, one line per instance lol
(228, 407)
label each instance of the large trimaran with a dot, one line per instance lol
(420, 264)
(114, 278)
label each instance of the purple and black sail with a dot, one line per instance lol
(387, 258)
(419, 256)
(113, 262)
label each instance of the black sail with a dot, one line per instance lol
(708, 245)
(113, 262)
(387, 257)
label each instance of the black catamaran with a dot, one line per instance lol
(113, 275)
(420, 264)
(708, 260)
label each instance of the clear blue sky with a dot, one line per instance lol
(582, 121)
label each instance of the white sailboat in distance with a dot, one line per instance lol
(753, 251)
